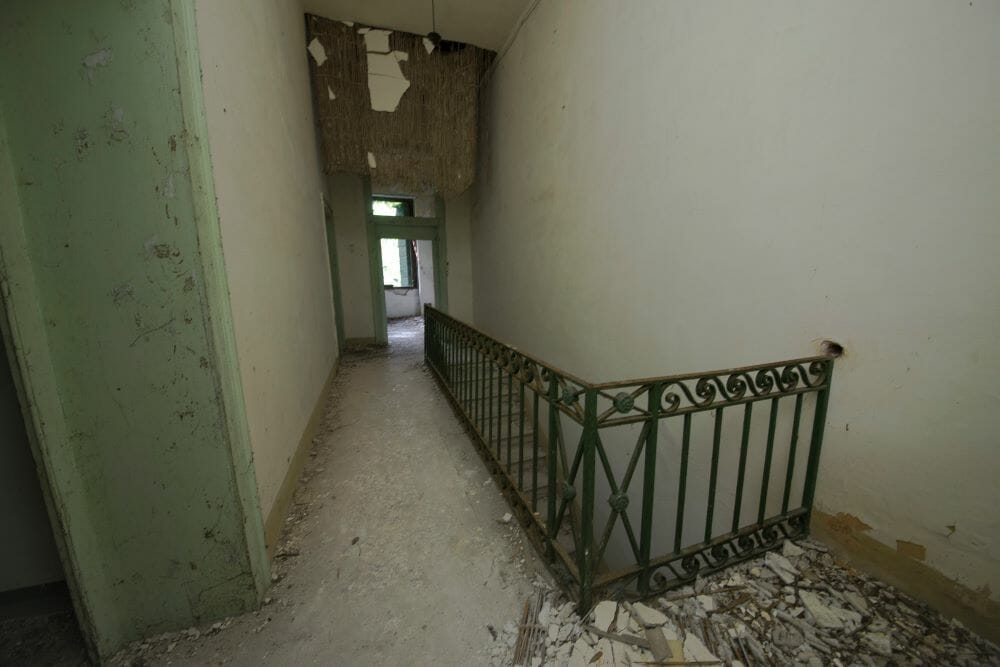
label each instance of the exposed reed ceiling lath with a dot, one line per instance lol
(396, 107)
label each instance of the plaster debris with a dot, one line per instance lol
(506, 518)
(789, 609)
(94, 60)
(317, 51)
(377, 41)
(371, 160)
(648, 616)
(428, 45)
(330, 93)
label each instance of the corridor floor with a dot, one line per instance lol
(396, 552)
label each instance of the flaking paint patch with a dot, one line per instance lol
(317, 51)
(168, 190)
(911, 549)
(371, 160)
(330, 93)
(428, 45)
(94, 60)
(848, 523)
(116, 124)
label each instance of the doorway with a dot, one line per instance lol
(37, 622)
(408, 262)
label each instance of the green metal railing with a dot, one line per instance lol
(678, 432)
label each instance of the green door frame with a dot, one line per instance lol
(404, 227)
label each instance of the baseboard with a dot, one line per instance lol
(279, 510)
(359, 342)
(847, 537)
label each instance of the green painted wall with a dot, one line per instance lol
(116, 304)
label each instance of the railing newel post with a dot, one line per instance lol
(816, 443)
(550, 464)
(589, 444)
(648, 484)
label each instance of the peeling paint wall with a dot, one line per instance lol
(269, 185)
(109, 250)
(700, 189)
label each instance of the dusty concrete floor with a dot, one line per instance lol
(395, 553)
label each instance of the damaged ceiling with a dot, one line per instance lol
(396, 107)
(484, 23)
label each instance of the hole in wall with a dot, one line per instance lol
(832, 349)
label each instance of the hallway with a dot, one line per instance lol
(395, 551)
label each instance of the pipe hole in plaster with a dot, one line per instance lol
(831, 349)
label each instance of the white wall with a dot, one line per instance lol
(402, 302)
(425, 272)
(267, 179)
(347, 200)
(458, 211)
(673, 187)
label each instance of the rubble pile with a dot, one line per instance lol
(796, 607)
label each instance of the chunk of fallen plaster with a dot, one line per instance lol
(879, 643)
(371, 160)
(707, 602)
(824, 616)
(696, 651)
(317, 51)
(648, 616)
(781, 567)
(582, 653)
(857, 601)
(604, 614)
(377, 41)
(791, 550)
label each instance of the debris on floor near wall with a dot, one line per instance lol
(794, 607)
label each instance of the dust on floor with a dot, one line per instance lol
(395, 551)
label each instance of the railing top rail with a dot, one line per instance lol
(558, 371)
(682, 377)
(661, 379)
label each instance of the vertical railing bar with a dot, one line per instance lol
(714, 475)
(534, 452)
(520, 438)
(744, 445)
(768, 454)
(499, 409)
(510, 419)
(465, 373)
(816, 443)
(648, 485)
(682, 483)
(551, 461)
(489, 383)
(589, 443)
(796, 419)
(479, 387)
